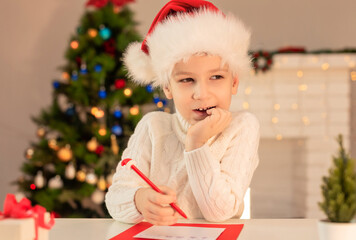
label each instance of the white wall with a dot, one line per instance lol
(34, 37)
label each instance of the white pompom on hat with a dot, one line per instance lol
(181, 29)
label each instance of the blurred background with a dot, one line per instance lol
(35, 35)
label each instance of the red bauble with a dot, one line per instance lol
(120, 3)
(120, 83)
(99, 150)
(109, 46)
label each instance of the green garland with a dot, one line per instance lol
(262, 60)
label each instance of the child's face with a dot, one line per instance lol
(198, 84)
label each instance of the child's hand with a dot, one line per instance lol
(199, 133)
(155, 206)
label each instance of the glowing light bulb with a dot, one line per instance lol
(160, 104)
(306, 120)
(128, 92)
(248, 91)
(245, 105)
(102, 131)
(74, 44)
(300, 74)
(279, 137)
(303, 87)
(92, 32)
(276, 106)
(65, 75)
(134, 110)
(325, 66)
(275, 120)
(353, 76)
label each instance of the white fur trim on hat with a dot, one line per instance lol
(184, 35)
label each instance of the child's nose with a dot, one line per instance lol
(201, 91)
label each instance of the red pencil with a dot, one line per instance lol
(173, 205)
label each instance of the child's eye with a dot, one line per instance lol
(186, 80)
(216, 77)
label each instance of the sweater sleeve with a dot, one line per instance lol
(119, 199)
(219, 184)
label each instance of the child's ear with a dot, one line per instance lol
(235, 85)
(167, 91)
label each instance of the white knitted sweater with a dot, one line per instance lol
(210, 181)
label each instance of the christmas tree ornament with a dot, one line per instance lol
(149, 88)
(91, 178)
(49, 167)
(105, 33)
(52, 144)
(117, 113)
(102, 183)
(102, 131)
(109, 179)
(74, 75)
(102, 92)
(98, 68)
(74, 44)
(134, 110)
(128, 92)
(39, 180)
(116, 9)
(65, 76)
(97, 112)
(160, 104)
(109, 47)
(99, 150)
(70, 171)
(117, 130)
(41, 132)
(29, 153)
(92, 32)
(65, 154)
(70, 110)
(120, 83)
(114, 145)
(81, 175)
(32, 186)
(98, 196)
(156, 98)
(92, 144)
(83, 68)
(56, 84)
(55, 183)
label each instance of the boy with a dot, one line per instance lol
(203, 157)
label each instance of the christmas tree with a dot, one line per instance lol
(339, 188)
(94, 111)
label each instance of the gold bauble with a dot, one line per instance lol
(114, 145)
(52, 144)
(41, 132)
(91, 178)
(65, 154)
(29, 153)
(102, 183)
(81, 176)
(92, 32)
(92, 145)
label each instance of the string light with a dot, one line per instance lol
(97, 112)
(127, 92)
(134, 110)
(92, 32)
(325, 66)
(102, 131)
(276, 106)
(300, 74)
(160, 104)
(353, 76)
(303, 87)
(279, 137)
(245, 105)
(306, 120)
(74, 44)
(275, 120)
(248, 91)
(65, 75)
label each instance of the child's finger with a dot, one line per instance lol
(160, 210)
(162, 198)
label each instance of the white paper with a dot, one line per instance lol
(180, 233)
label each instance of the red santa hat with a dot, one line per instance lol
(181, 29)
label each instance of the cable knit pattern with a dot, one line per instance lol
(210, 181)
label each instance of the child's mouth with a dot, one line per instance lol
(202, 111)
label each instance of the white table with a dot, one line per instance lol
(264, 229)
